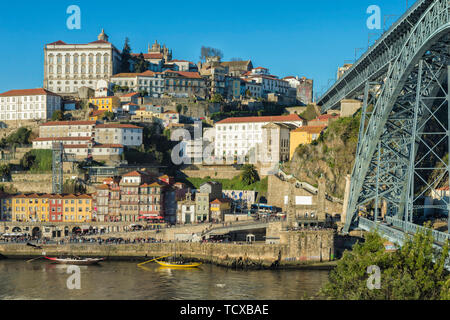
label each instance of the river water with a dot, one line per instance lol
(114, 280)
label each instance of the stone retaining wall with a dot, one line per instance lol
(230, 255)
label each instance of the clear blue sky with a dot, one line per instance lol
(300, 37)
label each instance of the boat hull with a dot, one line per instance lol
(83, 262)
(179, 266)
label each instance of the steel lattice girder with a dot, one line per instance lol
(378, 59)
(389, 124)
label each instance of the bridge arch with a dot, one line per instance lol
(394, 143)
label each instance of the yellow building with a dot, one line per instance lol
(30, 208)
(219, 208)
(105, 103)
(304, 135)
(77, 208)
(143, 115)
(50, 208)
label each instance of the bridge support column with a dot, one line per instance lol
(448, 141)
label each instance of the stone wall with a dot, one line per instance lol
(30, 183)
(215, 172)
(277, 190)
(305, 247)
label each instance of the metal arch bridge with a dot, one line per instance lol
(404, 130)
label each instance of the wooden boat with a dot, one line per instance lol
(179, 265)
(76, 261)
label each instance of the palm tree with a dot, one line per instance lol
(249, 174)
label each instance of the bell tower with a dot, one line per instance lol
(103, 36)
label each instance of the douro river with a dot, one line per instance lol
(125, 281)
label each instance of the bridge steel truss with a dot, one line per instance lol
(405, 119)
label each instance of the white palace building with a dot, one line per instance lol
(68, 67)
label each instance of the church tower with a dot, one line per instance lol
(103, 36)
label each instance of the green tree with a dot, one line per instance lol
(20, 137)
(28, 161)
(125, 57)
(408, 273)
(5, 170)
(140, 64)
(116, 88)
(249, 174)
(58, 115)
(217, 98)
(107, 115)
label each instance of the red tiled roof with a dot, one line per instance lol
(27, 92)
(311, 129)
(109, 146)
(289, 118)
(129, 95)
(58, 43)
(64, 139)
(132, 174)
(100, 41)
(97, 113)
(117, 125)
(147, 73)
(68, 123)
(186, 74)
(219, 201)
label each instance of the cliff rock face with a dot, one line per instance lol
(332, 155)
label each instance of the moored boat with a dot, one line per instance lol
(179, 265)
(76, 261)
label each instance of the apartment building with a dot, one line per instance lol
(123, 134)
(60, 129)
(28, 105)
(239, 137)
(182, 84)
(150, 82)
(110, 104)
(51, 208)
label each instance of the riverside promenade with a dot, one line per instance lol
(297, 249)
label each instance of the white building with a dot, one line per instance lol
(58, 129)
(149, 81)
(123, 134)
(239, 137)
(97, 152)
(67, 67)
(30, 104)
(269, 83)
(47, 143)
(253, 87)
